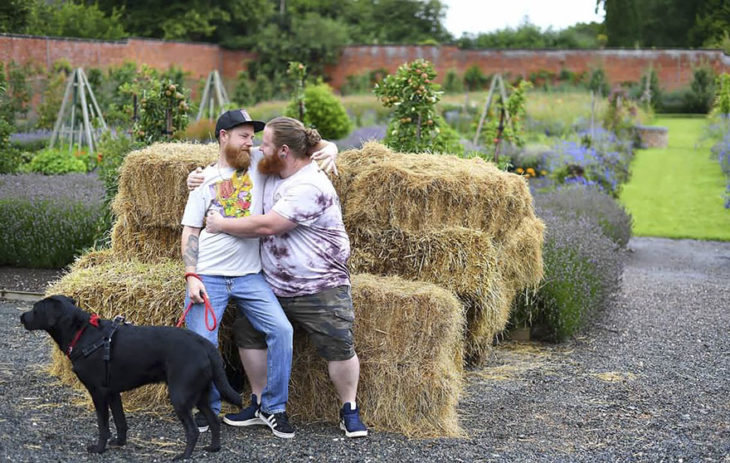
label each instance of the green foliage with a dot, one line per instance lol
(297, 73)
(163, 107)
(243, 94)
(530, 36)
(56, 161)
(19, 88)
(9, 157)
(311, 38)
(721, 105)
(665, 23)
(513, 130)
(362, 83)
(598, 82)
(702, 90)
(323, 111)
(414, 126)
(56, 80)
(452, 82)
(655, 92)
(474, 78)
(73, 19)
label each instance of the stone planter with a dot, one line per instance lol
(652, 136)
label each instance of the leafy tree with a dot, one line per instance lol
(73, 19)
(415, 126)
(14, 15)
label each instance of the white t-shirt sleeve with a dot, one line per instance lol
(303, 204)
(194, 209)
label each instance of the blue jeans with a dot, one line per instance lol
(255, 300)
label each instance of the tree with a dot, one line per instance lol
(73, 19)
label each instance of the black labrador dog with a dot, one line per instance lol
(135, 355)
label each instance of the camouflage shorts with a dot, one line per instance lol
(326, 316)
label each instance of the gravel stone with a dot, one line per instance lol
(648, 380)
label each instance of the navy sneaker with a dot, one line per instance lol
(350, 422)
(201, 422)
(278, 422)
(246, 417)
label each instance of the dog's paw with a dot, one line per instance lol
(182, 456)
(96, 448)
(212, 449)
(117, 442)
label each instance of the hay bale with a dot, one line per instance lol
(414, 192)
(460, 259)
(147, 244)
(520, 254)
(408, 336)
(152, 187)
(411, 358)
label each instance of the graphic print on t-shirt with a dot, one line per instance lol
(232, 197)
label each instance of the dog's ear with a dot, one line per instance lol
(59, 306)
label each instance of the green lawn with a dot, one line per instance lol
(677, 192)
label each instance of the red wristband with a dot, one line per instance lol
(192, 274)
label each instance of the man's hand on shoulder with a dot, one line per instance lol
(195, 178)
(326, 157)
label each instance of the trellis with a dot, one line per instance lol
(71, 127)
(215, 99)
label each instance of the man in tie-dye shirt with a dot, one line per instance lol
(304, 253)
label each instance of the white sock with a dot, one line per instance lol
(353, 405)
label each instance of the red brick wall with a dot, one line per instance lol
(674, 67)
(196, 58)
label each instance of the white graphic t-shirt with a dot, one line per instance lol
(233, 194)
(313, 256)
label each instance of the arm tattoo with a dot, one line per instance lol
(190, 258)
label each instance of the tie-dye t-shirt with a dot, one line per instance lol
(313, 256)
(232, 194)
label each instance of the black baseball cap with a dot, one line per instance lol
(235, 117)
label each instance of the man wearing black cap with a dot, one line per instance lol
(222, 267)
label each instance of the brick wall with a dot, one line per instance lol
(674, 67)
(196, 58)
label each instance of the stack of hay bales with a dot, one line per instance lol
(461, 224)
(408, 334)
(151, 193)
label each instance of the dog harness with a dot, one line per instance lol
(105, 341)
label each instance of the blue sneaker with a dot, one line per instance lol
(350, 422)
(246, 417)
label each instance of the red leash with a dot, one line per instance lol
(208, 308)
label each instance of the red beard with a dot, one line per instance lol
(239, 159)
(271, 165)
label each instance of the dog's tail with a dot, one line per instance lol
(219, 378)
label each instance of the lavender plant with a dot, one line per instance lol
(582, 273)
(572, 201)
(47, 220)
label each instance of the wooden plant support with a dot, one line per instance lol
(78, 90)
(214, 98)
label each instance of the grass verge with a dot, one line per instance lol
(677, 191)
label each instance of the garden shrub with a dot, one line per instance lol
(582, 273)
(598, 83)
(323, 111)
(56, 161)
(453, 83)
(47, 220)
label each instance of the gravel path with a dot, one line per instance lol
(649, 380)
